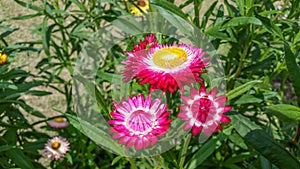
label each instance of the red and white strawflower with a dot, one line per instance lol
(203, 111)
(165, 67)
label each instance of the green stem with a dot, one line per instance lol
(240, 67)
(132, 163)
(184, 150)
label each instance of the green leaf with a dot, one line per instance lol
(94, 92)
(115, 160)
(97, 135)
(293, 69)
(7, 85)
(242, 89)
(5, 148)
(29, 16)
(203, 153)
(271, 150)
(242, 124)
(248, 98)
(238, 140)
(162, 6)
(240, 21)
(28, 5)
(19, 158)
(230, 162)
(38, 93)
(208, 14)
(270, 26)
(285, 112)
(8, 32)
(128, 24)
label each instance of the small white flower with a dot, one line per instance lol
(56, 148)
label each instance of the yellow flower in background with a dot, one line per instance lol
(142, 4)
(3, 58)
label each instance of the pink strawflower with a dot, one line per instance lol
(166, 67)
(56, 148)
(203, 111)
(58, 123)
(138, 122)
(147, 42)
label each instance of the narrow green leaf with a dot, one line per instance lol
(38, 93)
(248, 98)
(5, 148)
(46, 36)
(242, 89)
(6, 85)
(162, 6)
(208, 14)
(203, 153)
(242, 124)
(94, 92)
(99, 136)
(285, 112)
(115, 160)
(293, 69)
(271, 150)
(128, 24)
(243, 20)
(270, 26)
(19, 158)
(8, 32)
(28, 5)
(29, 16)
(241, 6)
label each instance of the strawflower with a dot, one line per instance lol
(58, 123)
(3, 58)
(142, 4)
(203, 111)
(138, 121)
(166, 67)
(56, 148)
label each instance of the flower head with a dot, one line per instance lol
(58, 123)
(142, 4)
(56, 148)
(148, 41)
(166, 67)
(203, 111)
(3, 58)
(138, 122)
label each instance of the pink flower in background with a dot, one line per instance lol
(166, 67)
(58, 123)
(138, 122)
(56, 148)
(203, 111)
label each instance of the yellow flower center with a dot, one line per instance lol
(3, 58)
(169, 57)
(55, 145)
(141, 3)
(59, 119)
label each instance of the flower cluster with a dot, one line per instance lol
(57, 147)
(138, 122)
